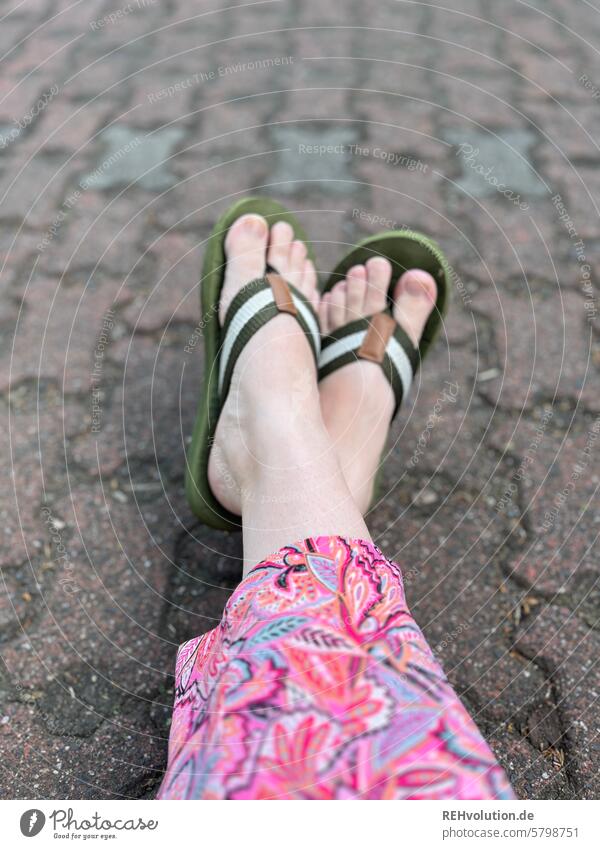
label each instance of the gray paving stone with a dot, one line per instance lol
(135, 157)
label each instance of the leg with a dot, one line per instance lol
(317, 684)
(357, 401)
(273, 460)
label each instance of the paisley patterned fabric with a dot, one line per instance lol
(317, 684)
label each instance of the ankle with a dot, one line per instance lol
(278, 434)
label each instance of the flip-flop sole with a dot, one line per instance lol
(200, 497)
(405, 249)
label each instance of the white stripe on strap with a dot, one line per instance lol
(399, 358)
(353, 341)
(245, 313)
(342, 346)
(311, 322)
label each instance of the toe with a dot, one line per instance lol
(245, 248)
(246, 235)
(308, 284)
(296, 261)
(282, 235)
(414, 299)
(379, 275)
(356, 290)
(324, 307)
(337, 307)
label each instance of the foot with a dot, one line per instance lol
(273, 388)
(357, 401)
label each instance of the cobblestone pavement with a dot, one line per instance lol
(125, 130)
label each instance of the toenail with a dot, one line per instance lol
(414, 286)
(380, 261)
(258, 225)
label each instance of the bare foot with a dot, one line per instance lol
(273, 370)
(357, 401)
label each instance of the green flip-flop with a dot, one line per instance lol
(379, 338)
(254, 305)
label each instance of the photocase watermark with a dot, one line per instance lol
(527, 460)
(23, 123)
(577, 471)
(451, 636)
(108, 322)
(55, 526)
(400, 160)
(448, 396)
(592, 87)
(470, 156)
(218, 73)
(85, 183)
(119, 14)
(32, 822)
(585, 269)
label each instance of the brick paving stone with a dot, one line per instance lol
(33, 443)
(155, 378)
(554, 483)
(92, 232)
(561, 644)
(533, 363)
(31, 193)
(69, 317)
(172, 290)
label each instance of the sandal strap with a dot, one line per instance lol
(254, 305)
(379, 339)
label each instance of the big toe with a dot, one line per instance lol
(414, 299)
(246, 236)
(245, 249)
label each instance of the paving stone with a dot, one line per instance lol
(532, 363)
(70, 126)
(91, 233)
(491, 161)
(553, 483)
(33, 443)
(449, 552)
(71, 316)
(572, 129)
(149, 417)
(138, 158)
(31, 195)
(560, 642)
(313, 155)
(173, 290)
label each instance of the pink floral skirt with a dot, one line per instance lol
(318, 684)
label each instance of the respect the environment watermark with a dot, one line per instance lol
(217, 73)
(118, 14)
(85, 183)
